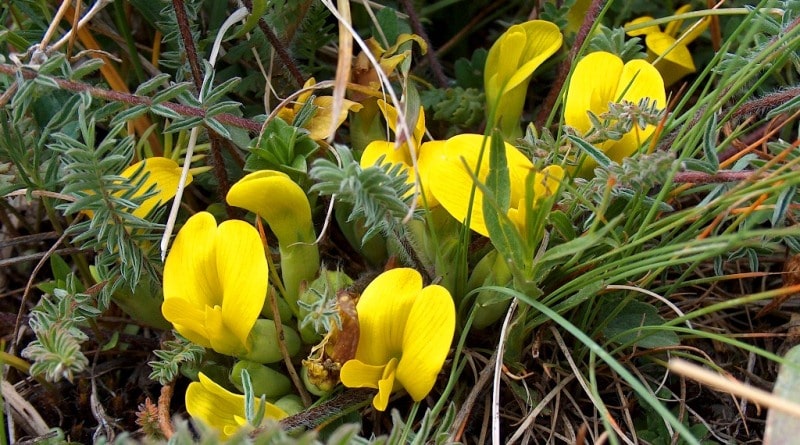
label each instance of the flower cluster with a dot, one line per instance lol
(221, 293)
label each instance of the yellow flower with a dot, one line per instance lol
(509, 66)
(215, 283)
(668, 51)
(452, 183)
(319, 126)
(273, 196)
(221, 409)
(405, 334)
(601, 78)
(393, 154)
(163, 175)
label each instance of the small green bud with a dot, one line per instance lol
(291, 404)
(266, 381)
(264, 347)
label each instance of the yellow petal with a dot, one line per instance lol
(357, 374)
(675, 59)
(427, 338)
(510, 64)
(163, 174)
(592, 86)
(188, 319)
(276, 198)
(386, 385)
(451, 182)
(213, 405)
(503, 61)
(303, 97)
(190, 271)
(391, 116)
(642, 31)
(430, 154)
(542, 40)
(242, 268)
(320, 126)
(391, 154)
(219, 408)
(674, 26)
(382, 313)
(547, 182)
(639, 80)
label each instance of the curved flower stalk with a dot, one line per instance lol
(221, 409)
(405, 334)
(423, 153)
(509, 66)
(667, 50)
(319, 126)
(215, 283)
(452, 184)
(601, 78)
(273, 196)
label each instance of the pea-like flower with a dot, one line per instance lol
(273, 196)
(158, 174)
(667, 49)
(405, 333)
(221, 409)
(422, 154)
(215, 283)
(509, 66)
(453, 182)
(321, 123)
(602, 78)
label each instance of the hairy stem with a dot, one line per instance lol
(217, 161)
(563, 69)
(433, 60)
(132, 99)
(279, 47)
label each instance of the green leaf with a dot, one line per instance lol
(167, 112)
(59, 267)
(503, 232)
(626, 326)
(171, 92)
(258, 11)
(220, 129)
(131, 113)
(563, 225)
(596, 154)
(86, 68)
(151, 85)
(497, 181)
(710, 143)
(183, 124)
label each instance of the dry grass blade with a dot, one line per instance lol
(733, 386)
(343, 64)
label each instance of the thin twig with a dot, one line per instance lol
(693, 177)
(466, 408)
(348, 401)
(279, 47)
(433, 60)
(164, 399)
(217, 162)
(498, 366)
(564, 68)
(132, 99)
